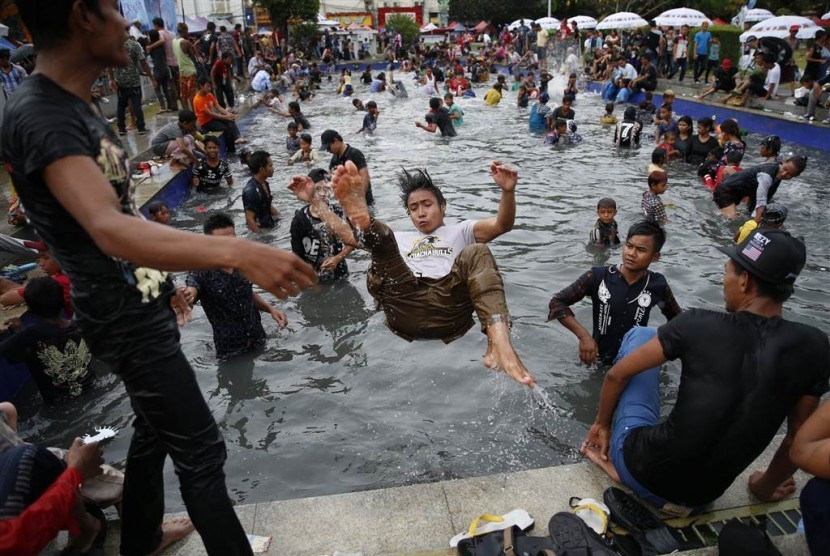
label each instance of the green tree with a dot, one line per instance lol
(406, 26)
(283, 11)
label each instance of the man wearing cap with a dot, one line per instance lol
(341, 153)
(723, 79)
(743, 372)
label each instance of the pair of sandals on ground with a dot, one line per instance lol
(582, 533)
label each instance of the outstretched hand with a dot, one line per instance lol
(302, 187)
(276, 271)
(504, 176)
(180, 303)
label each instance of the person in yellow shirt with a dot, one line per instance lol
(774, 217)
(493, 96)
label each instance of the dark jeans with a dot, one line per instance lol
(163, 94)
(133, 96)
(679, 65)
(141, 343)
(700, 65)
(815, 508)
(224, 92)
(174, 86)
(229, 129)
(710, 65)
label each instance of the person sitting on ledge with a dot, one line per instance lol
(429, 281)
(743, 372)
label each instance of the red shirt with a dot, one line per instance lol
(63, 280)
(30, 532)
(221, 73)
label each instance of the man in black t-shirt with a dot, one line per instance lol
(438, 118)
(72, 173)
(341, 153)
(209, 172)
(622, 296)
(743, 373)
(647, 80)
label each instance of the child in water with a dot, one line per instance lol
(159, 212)
(733, 161)
(774, 216)
(608, 118)
(306, 153)
(653, 208)
(561, 134)
(358, 105)
(659, 158)
(770, 148)
(570, 89)
(604, 233)
(669, 145)
(523, 97)
(292, 142)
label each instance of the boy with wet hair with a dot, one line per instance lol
(774, 217)
(622, 296)
(604, 233)
(159, 212)
(429, 281)
(257, 198)
(370, 120)
(627, 133)
(292, 142)
(209, 173)
(653, 208)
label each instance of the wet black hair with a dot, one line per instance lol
(153, 35)
(779, 293)
(415, 180)
(687, 119)
(306, 137)
(217, 221)
(44, 297)
(155, 207)
(731, 127)
(800, 162)
(435, 103)
(657, 177)
(707, 122)
(607, 203)
(202, 80)
(659, 156)
(226, 55)
(609, 107)
(158, 22)
(258, 161)
(292, 125)
(294, 105)
(734, 156)
(211, 139)
(666, 107)
(186, 116)
(630, 113)
(646, 228)
(48, 20)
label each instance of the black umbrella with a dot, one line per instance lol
(22, 52)
(777, 47)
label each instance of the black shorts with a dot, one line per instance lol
(725, 198)
(726, 87)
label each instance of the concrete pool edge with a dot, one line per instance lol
(420, 519)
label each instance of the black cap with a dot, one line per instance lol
(318, 174)
(327, 138)
(771, 255)
(774, 213)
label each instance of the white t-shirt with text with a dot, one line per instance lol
(432, 255)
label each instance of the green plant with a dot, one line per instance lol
(305, 34)
(406, 26)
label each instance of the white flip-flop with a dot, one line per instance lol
(518, 517)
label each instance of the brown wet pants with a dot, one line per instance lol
(433, 308)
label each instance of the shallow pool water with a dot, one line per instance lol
(337, 403)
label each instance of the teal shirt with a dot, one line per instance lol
(456, 110)
(714, 51)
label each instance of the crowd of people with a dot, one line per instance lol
(125, 307)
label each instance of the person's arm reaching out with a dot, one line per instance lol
(78, 184)
(490, 228)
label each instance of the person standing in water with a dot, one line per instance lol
(429, 281)
(72, 173)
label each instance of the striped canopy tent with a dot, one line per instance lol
(583, 21)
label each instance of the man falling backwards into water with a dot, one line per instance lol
(429, 281)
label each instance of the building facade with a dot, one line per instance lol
(232, 10)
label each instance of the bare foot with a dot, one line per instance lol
(90, 527)
(348, 189)
(172, 531)
(501, 355)
(593, 454)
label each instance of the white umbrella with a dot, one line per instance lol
(752, 16)
(681, 16)
(519, 22)
(826, 16)
(4, 30)
(428, 28)
(583, 21)
(548, 23)
(622, 20)
(780, 27)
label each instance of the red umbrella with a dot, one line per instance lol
(718, 21)
(480, 27)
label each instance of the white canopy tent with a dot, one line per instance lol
(325, 23)
(429, 28)
(682, 16)
(780, 27)
(826, 16)
(622, 20)
(753, 16)
(548, 23)
(583, 21)
(519, 22)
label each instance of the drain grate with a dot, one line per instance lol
(778, 518)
